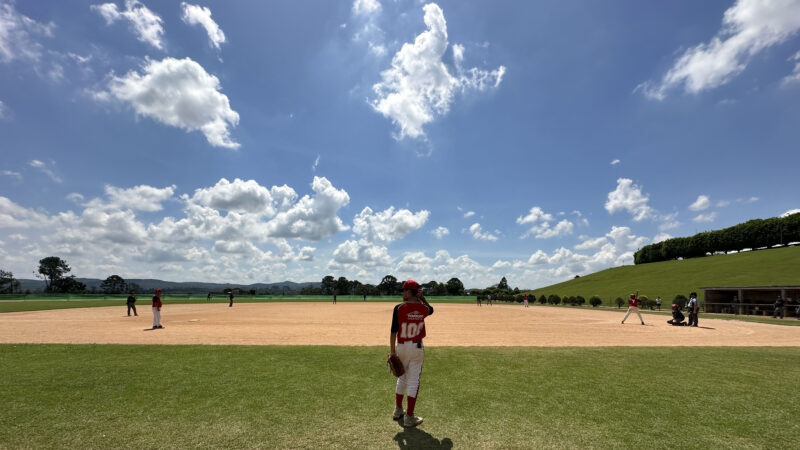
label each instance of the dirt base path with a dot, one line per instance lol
(368, 324)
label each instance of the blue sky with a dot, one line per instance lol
(268, 141)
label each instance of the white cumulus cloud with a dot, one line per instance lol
(45, 169)
(748, 28)
(710, 217)
(790, 212)
(142, 198)
(387, 225)
(540, 227)
(201, 15)
(702, 202)
(478, 234)
(440, 232)
(628, 197)
(366, 7)
(239, 196)
(146, 23)
(180, 93)
(312, 218)
(419, 87)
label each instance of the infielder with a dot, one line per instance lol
(633, 306)
(157, 310)
(408, 330)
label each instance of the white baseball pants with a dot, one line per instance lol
(412, 358)
(156, 317)
(630, 310)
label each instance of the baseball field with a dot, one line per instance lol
(313, 375)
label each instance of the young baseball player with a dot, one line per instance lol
(677, 316)
(157, 310)
(405, 341)
(131, 303)
(633, 306)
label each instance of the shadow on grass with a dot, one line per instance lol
(413, 438)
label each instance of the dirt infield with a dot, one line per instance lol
(368, 324)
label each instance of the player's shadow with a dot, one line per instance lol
(413, 438)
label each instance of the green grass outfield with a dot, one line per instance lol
(777, 266)
(114, 396)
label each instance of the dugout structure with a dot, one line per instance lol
(750, 300)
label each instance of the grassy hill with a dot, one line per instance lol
(779, 266)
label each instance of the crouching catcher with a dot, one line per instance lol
(405, 341)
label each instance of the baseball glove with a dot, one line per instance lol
(396, 366)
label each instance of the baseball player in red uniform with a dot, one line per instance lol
(633, 306)
(157, 309)
(405, 341)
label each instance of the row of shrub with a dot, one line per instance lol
(595, 301)
(758, 233)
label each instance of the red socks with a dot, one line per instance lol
(398, 400)
(412, 401)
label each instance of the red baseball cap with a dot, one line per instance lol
(411, 284)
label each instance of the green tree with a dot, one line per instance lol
(454, 286)
(7, 283)
(619, 301)
(134, 287)
(328, 284)
(52, 269)
(342, 286)
(542, 299)
(503, 284)
(388, 285)
(595, 301)
(114, 284)
(68, 285)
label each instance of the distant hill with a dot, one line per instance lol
(176, 287)
(777, 266)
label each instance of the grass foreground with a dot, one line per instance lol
(117, 396)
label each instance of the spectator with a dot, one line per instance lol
(658, 302)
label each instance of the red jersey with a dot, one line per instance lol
(408, 321)
(633, 302)
(156, 302)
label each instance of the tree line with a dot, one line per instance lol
(753, 234)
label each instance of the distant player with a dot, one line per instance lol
(405, 340)
(230, 299)
(157, 310)
(633, 306)
(525, 300)
(131, 302)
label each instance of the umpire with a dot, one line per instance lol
(131, 302)
(693, 306)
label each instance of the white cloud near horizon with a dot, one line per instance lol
(248, 241)
(179, 93)
(702, 202)
(748, 28)
(146, 23)
(418, 87)
(790, 212)
(469, 214)
(201, 15)
(615, 162)
(629, 197)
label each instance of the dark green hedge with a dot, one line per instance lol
(752, 234)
